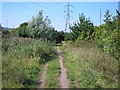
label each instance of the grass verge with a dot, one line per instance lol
(53, 72)
(23, 61)
(88, 67)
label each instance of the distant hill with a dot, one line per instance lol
(5, 28)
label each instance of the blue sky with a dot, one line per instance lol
(15, 13)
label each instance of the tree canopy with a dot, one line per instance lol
(82, 28)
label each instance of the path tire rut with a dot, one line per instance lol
(64, 82)
(43, 77)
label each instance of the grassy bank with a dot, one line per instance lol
(88, 67)
(23, 60)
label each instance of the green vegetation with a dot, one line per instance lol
(90, 53)
(22, 61)
(82, 29)
(26, 49)
(53, 73)
(105, 36)
(38, 27)
(89, 67)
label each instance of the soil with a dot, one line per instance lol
(64, 82)
(43, 77)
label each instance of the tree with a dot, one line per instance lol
(55, 36)
(0, 27)
(22, 31)
(107, 35)
(107, 16)
(68, 36)
(39, 26)
(60, 37)
(83, 28)
(0, 31)
(24, 24)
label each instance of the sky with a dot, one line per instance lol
(15, 13)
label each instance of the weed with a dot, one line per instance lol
(89, 67)
(20, 61)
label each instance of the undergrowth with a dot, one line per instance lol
(89, 67)
(23, 60)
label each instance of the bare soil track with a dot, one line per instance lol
(43, 77)
(64, 82)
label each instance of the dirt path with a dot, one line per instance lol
(43, 77)
(64, 83)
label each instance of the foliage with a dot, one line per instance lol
(0, 27)
(14, 32)
(39, 27)
(55, 36)
(68, 36)
(22, 61)
(21, 31)
(0, 31)
(89, 67)
(107, 16)
(82, 29)
(106, 35)
(3, 33)
(59, 36)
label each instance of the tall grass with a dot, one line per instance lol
(88, 67)
(23, 60)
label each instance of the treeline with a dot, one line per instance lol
(104, 36)
(38, 27)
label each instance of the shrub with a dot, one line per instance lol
(22, 61)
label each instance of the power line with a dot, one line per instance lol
(56, 13)
(68, 17)
(57, 7)
(20, 5)
(24, 7)
(51, 9)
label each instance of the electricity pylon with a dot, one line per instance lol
(68, 17)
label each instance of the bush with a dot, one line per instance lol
(82, 29)
(22, 61)
(107, 35)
